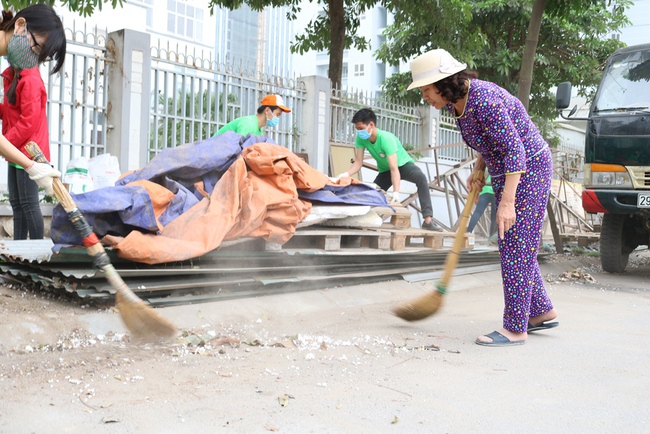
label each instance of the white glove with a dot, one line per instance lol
(395, 198)
(337, 177)
(343, 175)
(43, 174)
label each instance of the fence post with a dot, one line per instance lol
(428, 127)
(129, 85)
(316, 121)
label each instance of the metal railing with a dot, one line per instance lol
(402, 120)
(193, 97)
(448, 134)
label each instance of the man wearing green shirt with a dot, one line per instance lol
(393, 163)
(268, 114)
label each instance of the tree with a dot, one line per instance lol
(334, 30)
(556, 7)
(491, 37)
(84, 7)
(528, 58)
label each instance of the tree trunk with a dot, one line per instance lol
(528, 59)
(337, 44)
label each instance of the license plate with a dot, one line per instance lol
(643, 200)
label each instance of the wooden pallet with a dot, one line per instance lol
(335, 239)
(403, 238)
(583, 239)
(400, 216)
(387, 237)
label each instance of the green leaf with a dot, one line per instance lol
(490, 36)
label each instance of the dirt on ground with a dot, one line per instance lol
(334, 360)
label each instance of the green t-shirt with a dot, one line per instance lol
(487, 188)
(385, 145)
(244, 126)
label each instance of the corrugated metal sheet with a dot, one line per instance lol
(28, 250)
(220, 274)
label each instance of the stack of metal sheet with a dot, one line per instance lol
(238, 270)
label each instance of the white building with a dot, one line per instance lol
(256, 39)
(179, 24)
(361, 71)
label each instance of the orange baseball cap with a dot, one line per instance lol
(275, 101)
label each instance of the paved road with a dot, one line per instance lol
(356, 368)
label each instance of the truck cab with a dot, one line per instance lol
(617, 154)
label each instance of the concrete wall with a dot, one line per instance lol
(7, 222)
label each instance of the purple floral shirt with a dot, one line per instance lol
(496, 124)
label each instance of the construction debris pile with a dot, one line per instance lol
(231, 216)
(189, 199)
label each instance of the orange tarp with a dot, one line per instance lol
(256, 197)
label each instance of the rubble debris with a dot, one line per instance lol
(284, 399)
(577, 275)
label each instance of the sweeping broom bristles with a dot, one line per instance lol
(422, 307)
(141, 319)
(429, 303)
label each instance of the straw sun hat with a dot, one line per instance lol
(433, 66)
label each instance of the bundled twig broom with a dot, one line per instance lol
(428, 304)
(141, 319)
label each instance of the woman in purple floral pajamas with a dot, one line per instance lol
(496, 125)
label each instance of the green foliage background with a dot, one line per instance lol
(490, 37)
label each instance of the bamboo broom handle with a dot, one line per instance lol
(63, 196)
(452, 258)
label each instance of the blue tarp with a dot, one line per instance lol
(205, 160)
(119, 210)
(357, 194)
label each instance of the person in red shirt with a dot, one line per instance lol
(33, 36)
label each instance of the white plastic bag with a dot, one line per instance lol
(104, 170)
(77, 177)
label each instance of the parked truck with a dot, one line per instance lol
(617, 154)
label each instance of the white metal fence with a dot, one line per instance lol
(77, 97)
(448, 134)
(402, 120)
(193, 97)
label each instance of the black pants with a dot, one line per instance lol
(410, 172)
(23, 197)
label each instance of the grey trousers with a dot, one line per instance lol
(410, 172)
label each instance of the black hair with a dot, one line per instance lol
(455, 87)
(365, 115)
(261, 108)
(41, 20)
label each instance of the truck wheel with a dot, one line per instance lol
(614, 251)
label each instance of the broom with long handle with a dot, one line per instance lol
(428, 304)
(140, 318)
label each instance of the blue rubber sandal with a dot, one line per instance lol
(542, 326)
(498, 340)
